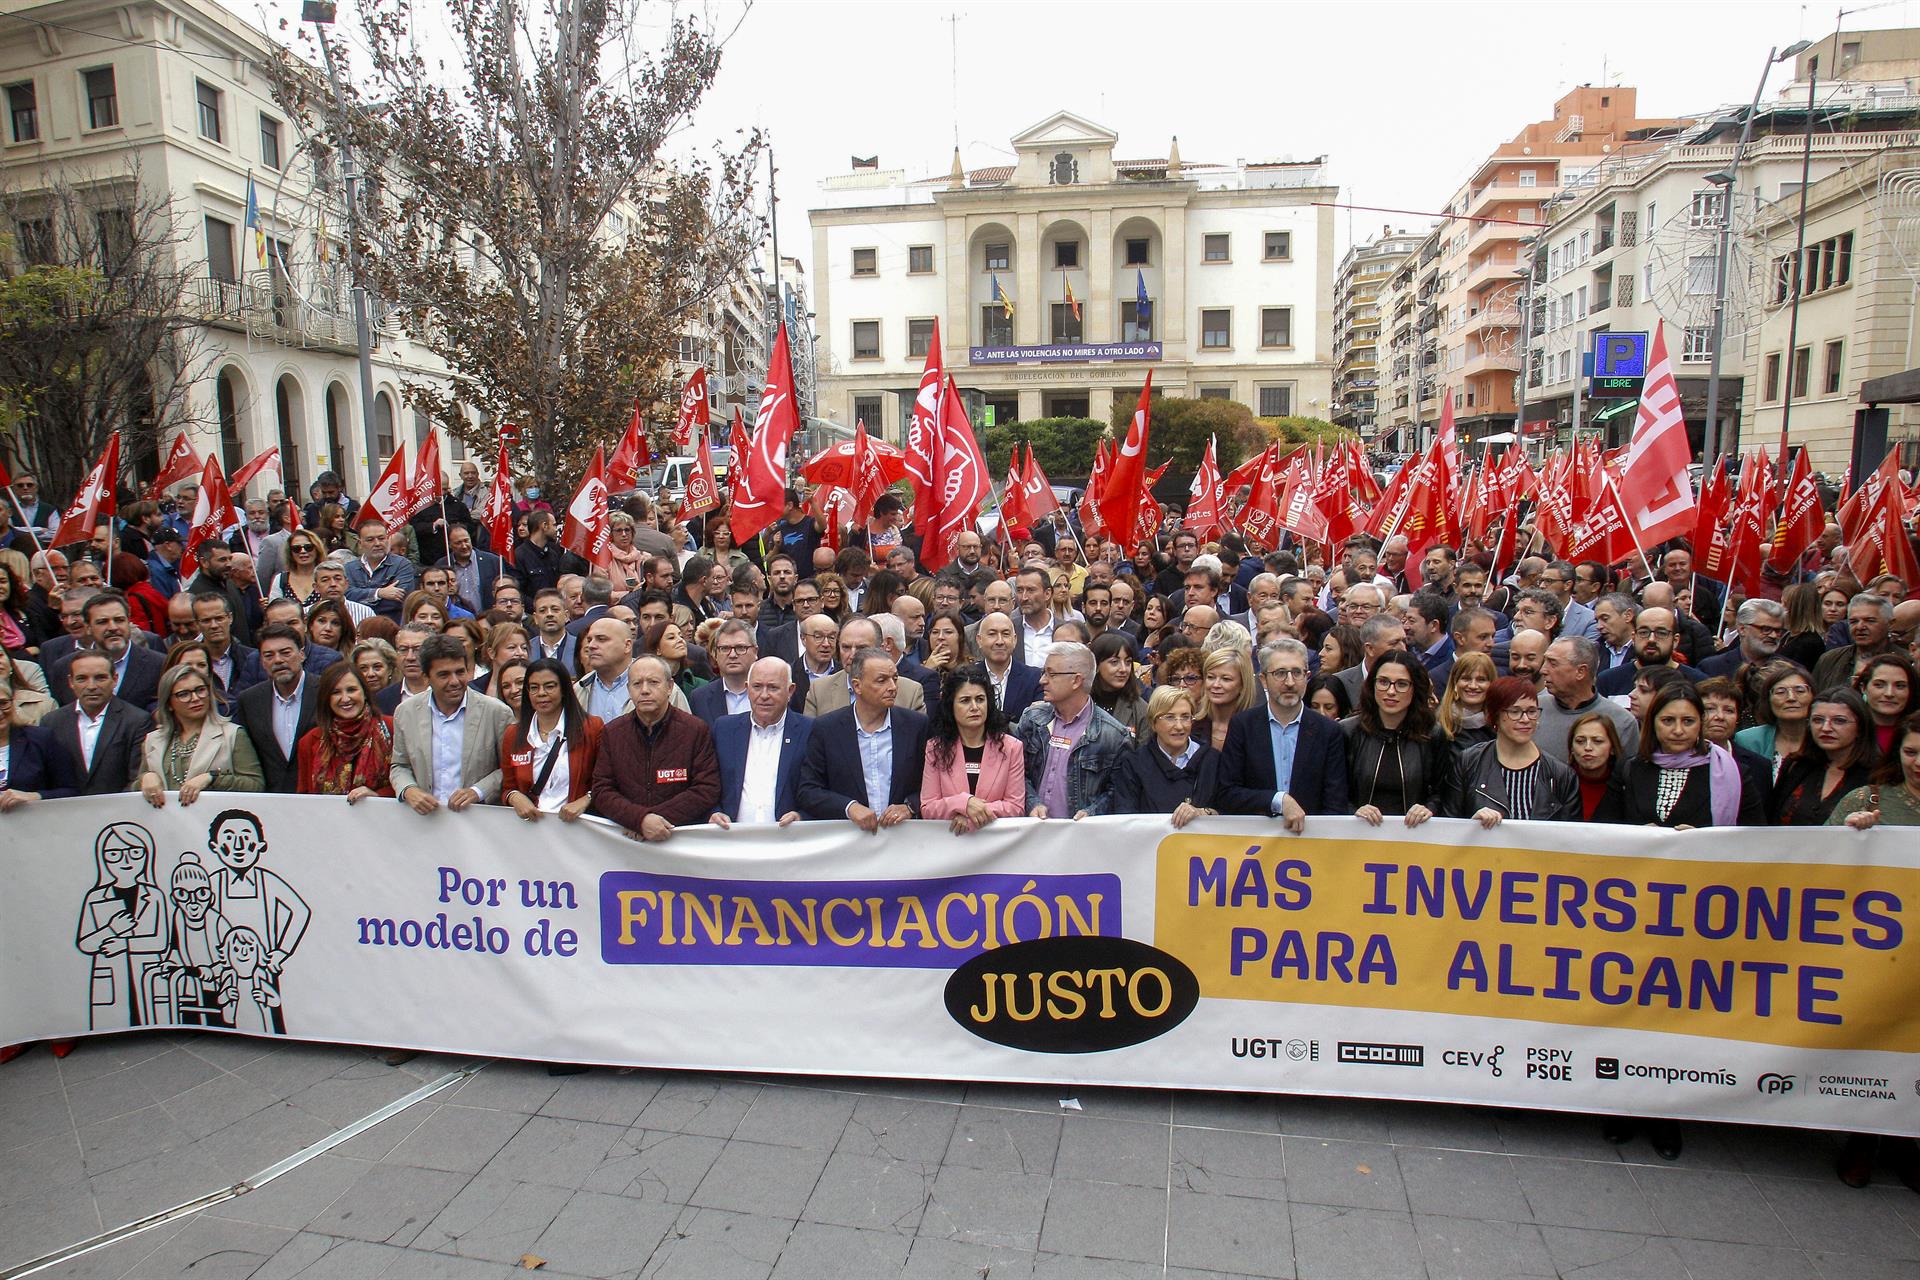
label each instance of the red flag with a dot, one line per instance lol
(1036, 491)
(831, 505)
(1013, 502)
(182, 462)
(762, 492)
(623, 469)
(1096, 484)
(1390, 511)
(265, 459)
(1430, 516)
(1749, 523)
(497, 512)
(1260, 517)
(212, 515)
(1448, 436)
(388, 501)
(1206, 503)
(1888, 535)
(1340, 495)
(1604, 534)
(428, 484)
(1710, 542)
(1125, 486)
(1655, 484)
(1476, 514)
(1803, 520)
(6, 476)
(962, 482)
(1244, 474)
(94, 501)
(1857, 511)
(868, 481)
(587, 532)
(922, 442)
(703, 487)
(1553, 515)
(739, 436)
(695, 409)
(1298, 512)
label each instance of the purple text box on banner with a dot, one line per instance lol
(893, 924)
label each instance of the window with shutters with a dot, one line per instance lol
(206, 100)
(866, 339)
(1830, 376)
(1770, 382)
(1802, 367)
(1698, 343)
(920, 260)
(1216, 329)
(103, 98)
(23, 109)
(919, 337)
(866, 262)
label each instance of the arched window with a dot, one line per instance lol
(291, 432)
(383, 443)
(226, 398)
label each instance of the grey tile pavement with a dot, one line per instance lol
(657, 1175)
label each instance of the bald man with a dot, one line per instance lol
(759, 751)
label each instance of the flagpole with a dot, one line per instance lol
(24, 522)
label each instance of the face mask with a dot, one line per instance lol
(533, 494)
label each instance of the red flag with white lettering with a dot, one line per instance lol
(1604, 534)
(1294, 497)
(267, 459)
(1036, 491)
(1709, 541)
(212, 515)
(696, 410)
(497, 512)
(921, 445)
(182, 463)
(1803, 520)
(1749, 522)
(95, 499)
(1260, 516)
(388, 501)
(1125, 488)
(587, 532)
(1206, 504)
(623, 468)
(761, 495)
(1655, 484)
(703, 488)
(428, 485)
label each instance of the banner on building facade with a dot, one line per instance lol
(1759, 975)
(1064, 353)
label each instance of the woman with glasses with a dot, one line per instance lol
(193, 748)
(1680, 779)
(1783, 700)
(1510, 777)
(626, 562)
(547, 757)
(1180, 667)
(1172, 772)
(1891, 687)
(1837, 756)
(1398, 760)
(298, 581)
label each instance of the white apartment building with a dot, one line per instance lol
(1359, 297)
(1235, 260)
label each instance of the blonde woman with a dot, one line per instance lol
(626, 560)
(1463, 707)
(304, 553)
(1228, 688)
(193, 748)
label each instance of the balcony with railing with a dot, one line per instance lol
(1491, 271)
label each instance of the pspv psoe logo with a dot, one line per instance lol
(1487, 1060)
(1774, 1084)
(1363, 1053)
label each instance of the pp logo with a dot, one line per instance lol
(1606, 1068)
(1774, 1083)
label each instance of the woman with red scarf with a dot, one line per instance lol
(349, 750)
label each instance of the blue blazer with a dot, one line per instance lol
(1319, 781)
(1023, 689)
(830, 773)
(247, 671)
(36, 763)
(709, 702)
(490, 565)
(730, 735)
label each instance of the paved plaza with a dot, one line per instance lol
(667, 1174)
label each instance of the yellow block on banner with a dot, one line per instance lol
(1791, 954)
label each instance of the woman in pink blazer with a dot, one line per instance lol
(976, 770)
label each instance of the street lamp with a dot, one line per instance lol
(1726, 180)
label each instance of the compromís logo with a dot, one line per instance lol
(1072, 995)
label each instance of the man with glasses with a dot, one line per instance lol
(734, 653)
(1653, 640)
(1283, 759)
(1576, 619)
(1072, 746)
(37, 517)
(1763, 625)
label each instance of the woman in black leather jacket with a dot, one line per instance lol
(1510, 777)
(1398, 759)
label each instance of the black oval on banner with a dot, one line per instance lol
(1072, 995)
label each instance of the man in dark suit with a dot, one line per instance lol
(863, 762)
(760, 751)
(97, 734)
(237, 666)
(1282, 758)
(1653, 643)
(286, 613)
(136, 668)
(474, 571)
(728, 693)
(278, 710)
(819, 651)
(1015, 684)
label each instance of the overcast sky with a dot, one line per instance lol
(1401, 98)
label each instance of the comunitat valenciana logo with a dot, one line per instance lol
(1072, 994)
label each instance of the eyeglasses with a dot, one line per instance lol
(1173, 717)
(736, 649)
(197, 691)
(1522, 713)
(1654, 633)
(1394, 686)
(1291, 674)
(1185, 677)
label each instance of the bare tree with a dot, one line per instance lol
(525, 215)
(99, 329)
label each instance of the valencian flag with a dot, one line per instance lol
(1073, 303)
(255, 225)
(1002, 297)
(94, 501)
(761, 494)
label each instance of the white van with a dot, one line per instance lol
(669, 477)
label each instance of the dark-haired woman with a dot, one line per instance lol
(1680, 779)
(1328, 696)
(1891, 688)
(546, 759)
(1116, 688)
(1398, 760)
(349, 750)
(1837, 756)
(975, 769)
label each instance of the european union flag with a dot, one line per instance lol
(1142, 306)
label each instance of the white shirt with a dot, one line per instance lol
(1037, 639)
(89, 731)
(761, 780)
(554, 795)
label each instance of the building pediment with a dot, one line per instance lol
(1064, 129)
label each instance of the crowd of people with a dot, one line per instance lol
(821, 676)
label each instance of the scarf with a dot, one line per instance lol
(1473, 719)
(625, 566)
(11, 636)
(1723, 778)
(352, 753)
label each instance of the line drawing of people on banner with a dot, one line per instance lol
(250, 898)
(196, 954)
(249, 996)
(122, 926)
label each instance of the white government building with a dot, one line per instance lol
(1236, 261)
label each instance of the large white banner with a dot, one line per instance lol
(1755, 975)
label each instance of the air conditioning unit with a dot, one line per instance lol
(1566, 416)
